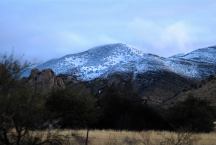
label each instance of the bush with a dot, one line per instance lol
(193, 115)
(73, 110)
(123, 109)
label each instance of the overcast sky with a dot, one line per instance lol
(43, 29)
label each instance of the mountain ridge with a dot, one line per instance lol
(103, 60)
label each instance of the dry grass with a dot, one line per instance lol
(110, 137)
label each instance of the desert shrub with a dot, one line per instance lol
(181, 138)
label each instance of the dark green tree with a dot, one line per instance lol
(193, 114)
(124, 109)
(73, 110)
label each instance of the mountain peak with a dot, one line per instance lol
(115, 48)
(206, 55)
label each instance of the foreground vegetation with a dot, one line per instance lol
(110, 137)
(24, 112)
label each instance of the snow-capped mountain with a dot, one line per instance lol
(104, 60)
(207, 55)
(197, 64)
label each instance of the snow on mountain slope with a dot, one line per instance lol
(103, 60)
(196, 64)
(207, 55)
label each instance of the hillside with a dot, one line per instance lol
(154, 88)
(205, 90)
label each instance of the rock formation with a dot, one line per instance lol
(44, 81)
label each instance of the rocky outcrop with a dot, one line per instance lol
(44, 81)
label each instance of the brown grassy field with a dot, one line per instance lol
(110, 137)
